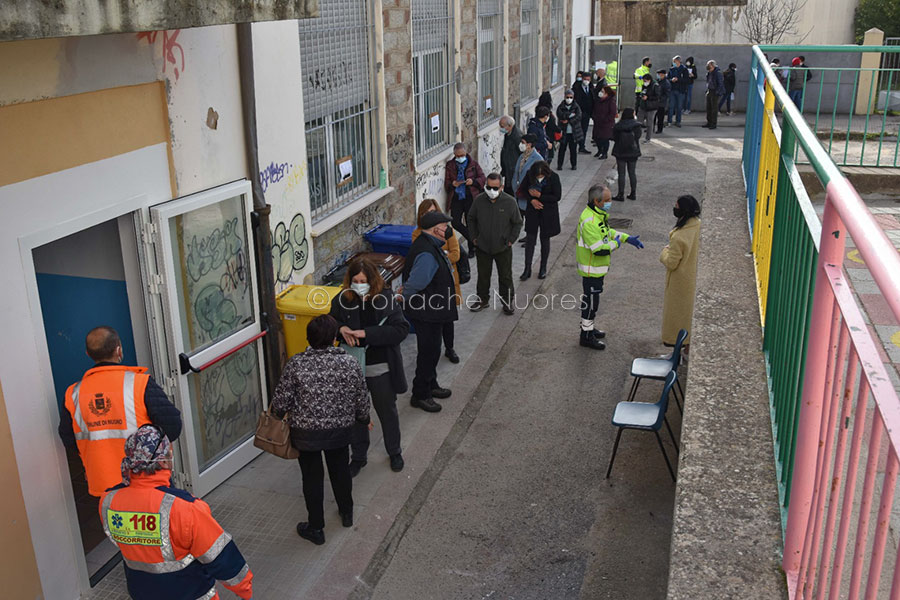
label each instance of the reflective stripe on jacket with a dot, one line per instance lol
(595, 235)
(107, 406)
(172, 546)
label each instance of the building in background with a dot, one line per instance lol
(168, 172)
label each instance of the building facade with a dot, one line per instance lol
(169, 173)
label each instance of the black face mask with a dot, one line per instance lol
(448, 233)
(678, 212)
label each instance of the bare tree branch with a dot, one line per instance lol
(770, 21)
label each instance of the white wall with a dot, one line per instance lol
(581, 25)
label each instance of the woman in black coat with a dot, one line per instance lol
(542, 190)
(368, 316)
(627, 150)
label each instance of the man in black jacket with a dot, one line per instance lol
(429, 297)
(509, 154)
(583, 91)
(665, 91)
(648, 102)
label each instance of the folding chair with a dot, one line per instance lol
(659, 369)
(645, 416)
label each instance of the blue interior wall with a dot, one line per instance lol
(72, 306)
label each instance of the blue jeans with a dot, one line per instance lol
(796, 98)
(675, 102)
(687, 97)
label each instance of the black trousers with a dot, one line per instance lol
(631, 166)
(459, 210)
(485, 263)
(712, 108)
(591, 288)
(428, 344)
(568, 141)
(660, 119)
(585, 123)
(603, 146)
(448, 334)
(384, 400)
(338, 463)
(530, 243)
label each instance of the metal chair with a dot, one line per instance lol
(659, 369)
(645, 416)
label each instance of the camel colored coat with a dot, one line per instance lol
(451, 247)
(680, 259)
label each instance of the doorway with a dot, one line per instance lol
(87, 279)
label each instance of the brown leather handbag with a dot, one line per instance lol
(274, 436)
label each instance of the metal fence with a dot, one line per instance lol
(434, 83)
(490, 60)
(557, 42)
(889, 62)
(829, 388)
(529, 33)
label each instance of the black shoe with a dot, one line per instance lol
(618, 198)
(559, 166)
(588, 340)
(712, 126)
(542, 274)
(598, 155)
(397, 463)
(347, 519)
(524, 237)
(452, 355)
(574, 168)
(583, 151)
(356, 466)
(706, 125)
(316, 536)
(631, 196)
(526, 274)
(440, 393)
(479, 305)
(678, 125)
(598, 334)
(508, 309)
(426, 404)
(603, 156)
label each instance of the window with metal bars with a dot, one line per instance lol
(433, 78)
(490, 60)
(556, 41)
(528, 50)
(339, 104)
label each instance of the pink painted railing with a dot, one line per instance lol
(836, 540)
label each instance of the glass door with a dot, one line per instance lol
(599, 49)
(213, 328)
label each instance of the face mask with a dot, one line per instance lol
(460, 159)
(603, 94)
(569, 100)
(540, 179)
(587, 82)
(360, 288)
(607, 206)
(507, 131)
(678, 212)
(522, 147)
(492, 194)
(448, 233)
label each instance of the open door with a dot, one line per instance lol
(211, 315)
(595, 49)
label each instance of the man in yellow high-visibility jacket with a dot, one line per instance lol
(639, 73)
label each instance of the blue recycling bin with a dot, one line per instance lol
(391, 239)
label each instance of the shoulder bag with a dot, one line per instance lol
(274, 436)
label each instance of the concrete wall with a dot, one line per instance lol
(29, 19)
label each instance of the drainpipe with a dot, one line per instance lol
(262, 238)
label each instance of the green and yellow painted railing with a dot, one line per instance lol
(829, 389)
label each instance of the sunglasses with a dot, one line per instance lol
(492, 188)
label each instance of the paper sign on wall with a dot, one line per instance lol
(435, 122)
(345, 168)
(488, 103)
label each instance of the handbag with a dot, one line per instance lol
(462, 267)
(274, 436)
(359, 352)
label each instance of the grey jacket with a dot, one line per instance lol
(494, 224)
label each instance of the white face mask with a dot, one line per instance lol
(603, 94)
(522, 147)
(492, 194)
(360, 288)
(569, 100)
(541, 178)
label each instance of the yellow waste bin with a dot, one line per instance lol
(298, 305)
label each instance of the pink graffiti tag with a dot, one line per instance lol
(169, 46)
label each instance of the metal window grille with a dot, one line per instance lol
(888, 80)
(433, 79)
(528, 40)
(490, 59)
(556, 41)
(339, 104)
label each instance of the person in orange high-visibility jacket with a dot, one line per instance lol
(109, 403)
(171, 545)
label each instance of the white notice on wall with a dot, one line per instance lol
(345, 169)
(597, 64)
(435, 122)
(488, 103)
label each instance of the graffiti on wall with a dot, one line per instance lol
(368, 218)
(172, 51)
(274, 173)
(290, 248)
(330, 77)
(490, 145)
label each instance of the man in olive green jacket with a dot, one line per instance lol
(494, 224)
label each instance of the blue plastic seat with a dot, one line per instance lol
(658, 369)
(644, 416)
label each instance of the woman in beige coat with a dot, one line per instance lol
(451, 247)
(680, 259)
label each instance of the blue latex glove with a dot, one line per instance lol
(634, 241)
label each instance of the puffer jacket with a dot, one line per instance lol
(325, 393)
(627, 136)
(572, 114)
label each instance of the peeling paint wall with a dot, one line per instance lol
(704, 24)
